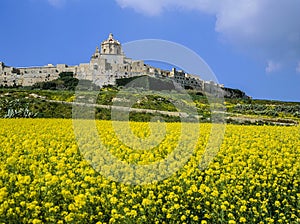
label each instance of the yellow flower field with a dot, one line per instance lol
(45, 179)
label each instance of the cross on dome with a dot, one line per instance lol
(111, 37)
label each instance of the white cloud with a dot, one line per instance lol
(155, 7)
(273, 66)
(267, 29)
(298, 67)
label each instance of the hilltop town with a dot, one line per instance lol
(106, 65)
(23, 93)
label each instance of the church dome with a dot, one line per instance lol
(111, 46)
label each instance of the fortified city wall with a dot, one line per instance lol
(106, 65)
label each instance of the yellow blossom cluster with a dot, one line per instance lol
(46, 178)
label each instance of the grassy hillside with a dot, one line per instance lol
(58, 104)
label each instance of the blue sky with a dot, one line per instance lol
(253, 45)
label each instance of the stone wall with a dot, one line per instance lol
(105, 66)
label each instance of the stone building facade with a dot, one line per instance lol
(106, 65)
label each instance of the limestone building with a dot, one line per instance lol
(107, 64)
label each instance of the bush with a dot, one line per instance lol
(15, 109)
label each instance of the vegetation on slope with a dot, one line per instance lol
(54, 100)
(58, 104)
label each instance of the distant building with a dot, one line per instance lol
(106, 65)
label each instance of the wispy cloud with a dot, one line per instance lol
(273, 66)
(298, 67)
(267, 29)
(57, 3)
